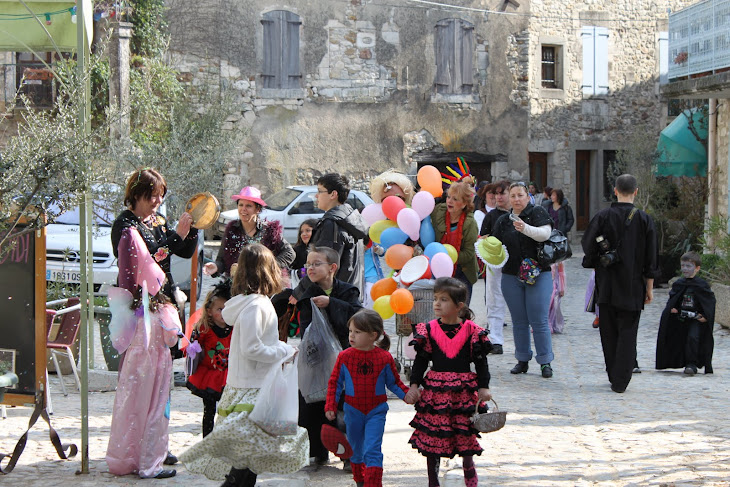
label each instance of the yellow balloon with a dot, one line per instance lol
(382, 307)
(377, 228)
(452, 252)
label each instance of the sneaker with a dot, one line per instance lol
(496, 350)
(690, 370)
(547, 371)
(636, 370)
(170, 459)
(520, 368)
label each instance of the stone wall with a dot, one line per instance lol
(367, 81)
(723, 154)
(564, 120)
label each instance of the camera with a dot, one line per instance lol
(687, 315)
(607, 256)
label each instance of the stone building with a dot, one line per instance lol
(546, 91)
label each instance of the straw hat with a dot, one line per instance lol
(491, 251)
(379, 183)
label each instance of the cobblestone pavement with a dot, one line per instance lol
(571, 430)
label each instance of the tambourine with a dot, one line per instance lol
(205, 209)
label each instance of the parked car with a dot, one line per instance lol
(291, 206)
(63, 256)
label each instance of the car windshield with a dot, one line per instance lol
(102, 217)
(281, 199)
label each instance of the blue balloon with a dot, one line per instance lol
(434, 248)
(427, 235)
(392, 236)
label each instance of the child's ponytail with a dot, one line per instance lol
(384, 342)
(466, 313)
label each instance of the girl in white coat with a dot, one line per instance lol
(237, 449)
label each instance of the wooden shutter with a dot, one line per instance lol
(466, 58)
(281, 50)
(444, 51)
(595, 60)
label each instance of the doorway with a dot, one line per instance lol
(538, 169)
(582, 185)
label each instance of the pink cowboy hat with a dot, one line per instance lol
(249, 193)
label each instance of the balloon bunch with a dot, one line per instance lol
(392, 223)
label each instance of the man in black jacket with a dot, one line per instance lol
(341, 228)
(620, 244)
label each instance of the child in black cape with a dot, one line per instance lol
(685, 331)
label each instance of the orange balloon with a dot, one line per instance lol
(192, 321)
(397, 255)
(401, 301)
(383, 288)
(429, 179)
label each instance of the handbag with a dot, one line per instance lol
(277, 407)
(318, 353)
(285, 322)
(553, 250)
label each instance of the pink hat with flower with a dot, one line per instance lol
(249, 193)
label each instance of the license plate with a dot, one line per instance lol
(62, 276)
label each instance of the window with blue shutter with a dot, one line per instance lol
(595, 60)
(454, 52)
(280, 68)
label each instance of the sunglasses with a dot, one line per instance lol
(518, 183)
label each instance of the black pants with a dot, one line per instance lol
(619, 328)
(311, 417)
(692, 345)
(208, 416)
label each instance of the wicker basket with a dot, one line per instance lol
(422, 312)
(490, 421)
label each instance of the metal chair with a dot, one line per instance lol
(67, 331)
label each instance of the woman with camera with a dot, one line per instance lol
(525, 285)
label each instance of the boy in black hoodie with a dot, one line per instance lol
(685, 331)
(339, 301)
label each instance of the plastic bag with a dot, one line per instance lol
(317, 356)
(277, 408)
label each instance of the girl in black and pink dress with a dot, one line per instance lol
(450, 390)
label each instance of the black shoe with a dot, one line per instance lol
(547, 371)
(322, 459)
(690, 370)
(617, 389)
(496, 350)
(236, 477)
(346, 466)
(166, 474)
(520, 368)
(636, 370)
(170, 459)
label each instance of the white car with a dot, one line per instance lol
(291, 206)
(63, 256)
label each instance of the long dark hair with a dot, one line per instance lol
(311, 223)
(457, 292)
(369, 321)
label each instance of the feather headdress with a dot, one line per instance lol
(459, 172)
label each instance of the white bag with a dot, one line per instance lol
(317, 356)
(277, 408)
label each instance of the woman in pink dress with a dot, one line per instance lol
(144, 325)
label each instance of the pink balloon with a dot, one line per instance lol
(423, 202)
(409, 222)
(373, 213)
(441, 265)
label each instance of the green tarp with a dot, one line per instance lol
(20, 31)
(680, 153)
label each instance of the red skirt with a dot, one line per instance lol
(442, 423)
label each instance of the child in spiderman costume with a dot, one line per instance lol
(361, 373)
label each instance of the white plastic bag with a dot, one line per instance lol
(277, 408)
(317, 356)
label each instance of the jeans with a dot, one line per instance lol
(528, 305)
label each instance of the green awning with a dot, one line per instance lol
(680, 153)
(19, 30)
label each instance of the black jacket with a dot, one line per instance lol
(520, 246)
(565, 217)
(344, 302)
(672, 336)
(344, 230)
(622, 285)
(490, 219)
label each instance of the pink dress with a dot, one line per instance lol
(138, 438)
(555, 314)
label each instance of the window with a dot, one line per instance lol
(34, 78)
(454, 50)
(595, 61)
(281, 50)
(552, 67)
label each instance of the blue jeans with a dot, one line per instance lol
(528, 305)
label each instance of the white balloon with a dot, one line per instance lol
(373, 213)
(423, 202)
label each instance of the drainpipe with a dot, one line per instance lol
(711, 160)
